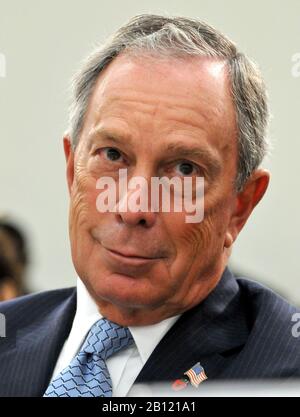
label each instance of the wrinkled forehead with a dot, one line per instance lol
(178, 94)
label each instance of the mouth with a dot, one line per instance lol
(129, 258)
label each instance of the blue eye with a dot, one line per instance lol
(186, 168)
(112, 154)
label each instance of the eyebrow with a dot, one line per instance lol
(181, 150)
(195, 152)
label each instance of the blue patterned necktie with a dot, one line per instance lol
(87, 375)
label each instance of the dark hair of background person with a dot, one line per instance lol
(13, 260)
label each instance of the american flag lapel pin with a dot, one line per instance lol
(193, 376)
(196, 375)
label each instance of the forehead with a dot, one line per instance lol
(166, 95)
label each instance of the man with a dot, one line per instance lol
(173, 98)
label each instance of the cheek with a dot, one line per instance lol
(205, 237)
(83, 212)
(189, 237)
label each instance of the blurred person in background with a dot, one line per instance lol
(13, 260)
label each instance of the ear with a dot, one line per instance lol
(245, 201)
(69, 154)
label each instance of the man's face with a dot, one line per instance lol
(155, 118)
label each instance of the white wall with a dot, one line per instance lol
(42, 43)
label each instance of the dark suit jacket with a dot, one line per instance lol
(241, 331)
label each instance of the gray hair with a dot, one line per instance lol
(181, 37)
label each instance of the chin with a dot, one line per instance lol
(125, 292)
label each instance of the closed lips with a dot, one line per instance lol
(131, 255)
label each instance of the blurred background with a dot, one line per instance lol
(42, 44)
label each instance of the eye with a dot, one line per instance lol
(111, 154)
(187, 168)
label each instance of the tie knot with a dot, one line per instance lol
(106, 338)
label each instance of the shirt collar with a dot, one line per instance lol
(146, 337)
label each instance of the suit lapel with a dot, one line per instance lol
(36, 350)
(210, 333)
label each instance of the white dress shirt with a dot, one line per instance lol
(125, 365)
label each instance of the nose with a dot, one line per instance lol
(140, 218)
(131, 213)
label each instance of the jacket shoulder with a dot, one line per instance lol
(26, 308)
(273, 344)
(264, 299)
